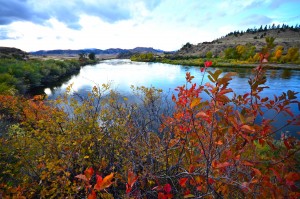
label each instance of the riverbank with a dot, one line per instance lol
(217, 62)
(23, 76)
(200, 63)
(267, 65)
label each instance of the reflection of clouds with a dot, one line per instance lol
(48, 91)
(121, 74)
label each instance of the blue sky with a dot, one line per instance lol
(163, 24)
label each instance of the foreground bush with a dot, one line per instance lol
(105, 146)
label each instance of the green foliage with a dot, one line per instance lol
(186, 46)
(209, 54)
(231, 53)
(146, 57)
(20, 75)
(92, 56)
(292, 55)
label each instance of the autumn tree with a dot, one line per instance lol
(278, 53)
(292, 55)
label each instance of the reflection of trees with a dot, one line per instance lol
(243, 72)
(286, 74)
(52, 85)
(273, 74)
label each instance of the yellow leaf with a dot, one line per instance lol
(105, 183)
(189, 196)
(195, 102)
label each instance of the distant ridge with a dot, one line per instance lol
(110, 51)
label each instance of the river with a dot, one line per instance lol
(121, 74)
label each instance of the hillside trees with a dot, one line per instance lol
(209, 54)
(292, 55)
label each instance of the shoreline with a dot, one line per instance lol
(266, 65)
(275, 66)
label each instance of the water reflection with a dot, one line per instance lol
(286, 74)
(273, 74)
(124, 73)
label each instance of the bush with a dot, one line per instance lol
(103, 145)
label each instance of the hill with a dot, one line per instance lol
(6, 52)
(286, 37)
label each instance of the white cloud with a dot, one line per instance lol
(167, 25)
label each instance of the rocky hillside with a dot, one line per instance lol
(6, 52)
(284, 37)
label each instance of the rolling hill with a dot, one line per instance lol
(286, 37)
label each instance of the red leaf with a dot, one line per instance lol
(98, 184)
(191, 169)
(199, 188)
(256, 171)
(221, 165)
(207, 64)
(219, 142)
(103, 183)
(210, 181)
(128, 188)
(289, 112)
(131, 178)
(167, 188)
(182, 182)
(247, 128)
(162, 196)
(276, 174)
(291, 178)
(92, 195)
(288, 146)
(246, 163)
(89, 172)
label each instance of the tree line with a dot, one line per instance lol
(278, 27)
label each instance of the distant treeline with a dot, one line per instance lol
(278, 27)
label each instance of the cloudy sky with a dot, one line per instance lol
(163, 24)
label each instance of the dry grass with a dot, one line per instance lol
(287, 39)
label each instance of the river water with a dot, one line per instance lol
(121, 74)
